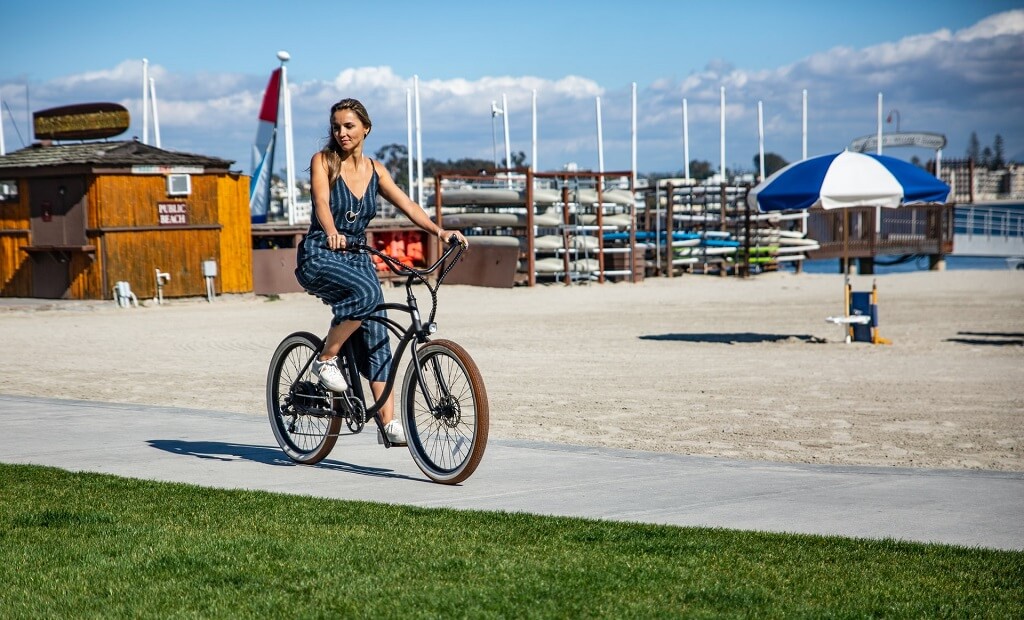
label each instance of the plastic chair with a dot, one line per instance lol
(861, 319)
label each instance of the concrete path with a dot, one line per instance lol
(231, 450)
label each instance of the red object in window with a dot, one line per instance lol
(392, 244)
(414, 247)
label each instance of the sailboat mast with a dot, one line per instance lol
(145, 101)
(289, 148)
(3, 148)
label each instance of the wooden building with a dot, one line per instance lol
(75, 219)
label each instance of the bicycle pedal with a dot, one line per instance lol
(380, 441)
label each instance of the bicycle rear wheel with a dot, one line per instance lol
(445, 412)
(298, 406)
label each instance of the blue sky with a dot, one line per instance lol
(951, 67)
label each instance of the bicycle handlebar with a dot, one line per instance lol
(401, 269)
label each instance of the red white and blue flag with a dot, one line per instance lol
(263, 151)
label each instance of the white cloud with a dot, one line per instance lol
(950, 82)
(1010, 23)
(126, 71)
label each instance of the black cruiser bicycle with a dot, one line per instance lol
(442, 403)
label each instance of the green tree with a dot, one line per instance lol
(986, 158)
(974, 147)
(395, 158)
(998, 155)
(466, 165)
(772, 163)
(701, 170)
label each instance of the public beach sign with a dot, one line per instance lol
(83, 121)
(172, 213)
(924, 139)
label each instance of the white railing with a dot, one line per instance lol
(981, 230)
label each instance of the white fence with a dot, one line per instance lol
(980, 230)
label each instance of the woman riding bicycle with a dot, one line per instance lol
(345, 185)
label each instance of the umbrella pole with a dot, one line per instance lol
(846, 246)
(846, 273)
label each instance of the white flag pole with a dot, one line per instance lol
(803, 220)
(804, 151)
(632, 180)
(686, 142)
(508, 148)
(156, 117)
(760, 138)
(419, 139)
(289, 148)
(600, 137)
(878, 210)
(408, 125)
(878, 147)
(722, 132)
(3, 148)
(145, 101)
(533, 155)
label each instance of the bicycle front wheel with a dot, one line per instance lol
(445, 412)
(299, 407)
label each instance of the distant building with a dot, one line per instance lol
(1015, 181)
(971, 183)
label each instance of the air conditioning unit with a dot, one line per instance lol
(179, 185)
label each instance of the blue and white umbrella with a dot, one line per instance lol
(847, 179)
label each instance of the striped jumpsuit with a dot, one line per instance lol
(347, 281)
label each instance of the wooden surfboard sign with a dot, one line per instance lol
(82, 121)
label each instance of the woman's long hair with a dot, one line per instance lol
(332, 150)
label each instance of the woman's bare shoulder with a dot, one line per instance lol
(318, 162)
(382, 170)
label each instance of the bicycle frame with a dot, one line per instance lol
(416, 330)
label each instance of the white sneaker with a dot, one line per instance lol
(395, 432)
(328, 373)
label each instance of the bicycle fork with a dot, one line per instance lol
(445, 408)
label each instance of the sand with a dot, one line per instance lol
(724, 367)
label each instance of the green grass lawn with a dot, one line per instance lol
(90, 545)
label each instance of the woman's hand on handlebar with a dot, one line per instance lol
(451, 236)
(337, 241)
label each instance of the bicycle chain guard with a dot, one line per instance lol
(355, 416)
(310, 398)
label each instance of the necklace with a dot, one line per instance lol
(351, 215)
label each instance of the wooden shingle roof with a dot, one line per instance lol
(104, 155)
